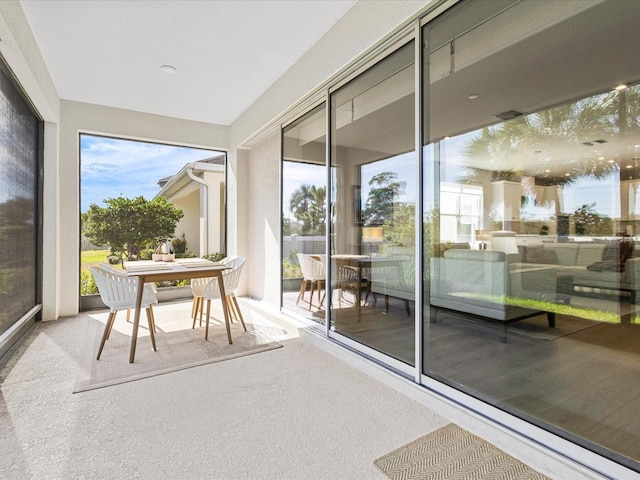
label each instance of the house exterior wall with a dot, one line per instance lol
(189, 225)
(215, 234)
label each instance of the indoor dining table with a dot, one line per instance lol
(150, 271)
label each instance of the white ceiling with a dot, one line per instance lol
(226, 52)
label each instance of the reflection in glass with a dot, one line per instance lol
(304, 216)
(533, 223)
(373, 195)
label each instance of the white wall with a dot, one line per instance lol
(264, 221)
(81, 117)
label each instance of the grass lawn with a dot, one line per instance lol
(91, 258)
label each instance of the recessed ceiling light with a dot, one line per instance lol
(567, 174)
(168, 69)
(600, 158)
(611, 161)
(473, 96)
(620, 87)
(547, 171)
(629, 166)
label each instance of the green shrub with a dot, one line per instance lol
(290, 270)
(87, 284)
(214, 257)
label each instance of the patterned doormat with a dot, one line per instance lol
(452, 452)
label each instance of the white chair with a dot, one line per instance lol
(211, 291)
(118, 291)
(313, 271)
(197, 289)
(118, 271)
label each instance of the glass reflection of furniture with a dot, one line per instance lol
(382, 275)
(480, 283)
(313, 272)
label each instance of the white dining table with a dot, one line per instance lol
(188, 268)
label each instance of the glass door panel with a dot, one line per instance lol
(373, 199)
(532, 167)
(304, 215)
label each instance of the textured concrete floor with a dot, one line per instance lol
(291, 413)
(297, 412)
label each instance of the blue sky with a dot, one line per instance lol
(113, 167)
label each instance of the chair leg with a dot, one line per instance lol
(231, 308)
(115, 314)
(105, 334)
(303, 287)
(152, 327)
(128, 314)
(311, 296)
(237, 306)
(201, 309)
(153, 318)
(226, 322)
(194, 304)
(206, 330)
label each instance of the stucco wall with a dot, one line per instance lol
(189, 225)
(264, 221)
(81, 117)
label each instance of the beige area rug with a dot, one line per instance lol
(452, 452)
(178, 345)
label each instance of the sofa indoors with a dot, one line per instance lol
(611, 265)
(475, 281)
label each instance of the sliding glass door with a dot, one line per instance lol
(532, 214)
(304, 216)
(373, 202)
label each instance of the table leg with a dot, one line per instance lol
(225, 306)
(136, 318)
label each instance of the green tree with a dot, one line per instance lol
(130, 225)
(307, 204)
(400, 228)
(568, 126)
(588, 222)
(385, 188)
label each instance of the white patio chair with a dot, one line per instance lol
(197, 289)
(118, 291)
(118, 271)
(211, 291)
(313, 271)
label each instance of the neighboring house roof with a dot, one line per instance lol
(170, 186)
(215, 160)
